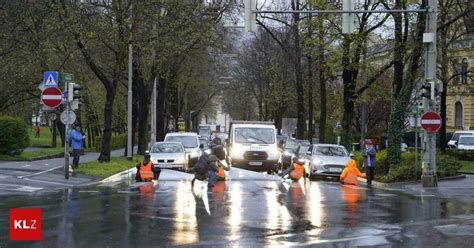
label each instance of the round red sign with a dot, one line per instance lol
(52, 97)
(431, 121)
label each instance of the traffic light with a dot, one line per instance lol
(250, 17)
(73, 95)
(428, 90)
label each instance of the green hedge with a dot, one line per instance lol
(13, 135)
(116, 142)
(461, 154)
(406, 171)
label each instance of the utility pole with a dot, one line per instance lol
(129, 92)
(428, 178)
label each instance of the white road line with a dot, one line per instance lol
(41, 172)
(20, 188)
(41, 181)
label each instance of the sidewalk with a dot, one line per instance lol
(25, 177)
(461, 189)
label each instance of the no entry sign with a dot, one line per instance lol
(431, 121)
(51, 97)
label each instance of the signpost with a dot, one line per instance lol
(50, 79)
(51, 97)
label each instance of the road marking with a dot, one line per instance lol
(26, 165)
(88, 191)
(162, 218)
(19, 188)
(41, 181)
(41, 172)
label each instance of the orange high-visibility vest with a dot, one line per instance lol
(145, 171)
(220, 173)
(297, 173)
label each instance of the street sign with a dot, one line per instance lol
(50, 79)
(68, 118)
(68, 77)
(181, 124)
(338, 124)
(52, 117)
(51, 97)
(431, 121)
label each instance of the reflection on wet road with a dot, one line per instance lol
(249, 210)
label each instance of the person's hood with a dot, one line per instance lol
(351, 163)
(145, 161)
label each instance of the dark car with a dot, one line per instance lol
(301, 151)
(289, 150)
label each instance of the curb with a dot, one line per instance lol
(466, 172)
(118, 176)
(400, 184)
(59, 155)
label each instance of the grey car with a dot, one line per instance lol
(326, 160)
(169, 155)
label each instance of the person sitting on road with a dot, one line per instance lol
(296, 170)
(202, 168)
(350, 173)
(220, 172)
(146, 171)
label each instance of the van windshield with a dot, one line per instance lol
(254, 135)
(456, 135)
(467, 141)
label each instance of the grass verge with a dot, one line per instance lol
(103, 170)
(467, 166)
(44, 139)
(32, 154)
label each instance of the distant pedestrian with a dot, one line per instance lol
(37, 131)
(75, 139)
(369, 161)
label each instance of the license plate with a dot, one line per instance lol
(165, 165)
(335, 169)
(255, 163)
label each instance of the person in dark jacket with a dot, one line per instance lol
(146, 171)
(202, 168)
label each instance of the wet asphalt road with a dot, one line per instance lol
(250, 210)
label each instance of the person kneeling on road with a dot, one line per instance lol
(146, 171)
(220, 172)
(350, 173)
(202, 169)
(295, 172)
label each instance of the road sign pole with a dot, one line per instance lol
(66, 138)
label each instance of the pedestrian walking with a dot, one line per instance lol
(37, 131)
(369, 161)
(350, 173)
(203, 169)
(75, 139)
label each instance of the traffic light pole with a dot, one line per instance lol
(66, 138)
(428, 178)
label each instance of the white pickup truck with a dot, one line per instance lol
(253, 145)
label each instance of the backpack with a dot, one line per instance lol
(202, 165)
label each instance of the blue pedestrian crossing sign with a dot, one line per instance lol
(50, 79)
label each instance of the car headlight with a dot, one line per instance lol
(236, 151)
(194, 153)
(180, 160)
(317, 161)
(287, 153)
(208, 151)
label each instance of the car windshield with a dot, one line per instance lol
(291, 144)
(254, 135)
(456, 135)
(204, 142)
(187, 141)
(302, 149)
(467, 141)
(331, 151)
(167, 148)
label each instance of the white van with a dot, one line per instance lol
(253, 145)
(190, 141)
(455, 138)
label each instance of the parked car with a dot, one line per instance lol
(205, 143)
(455, 137)
(465, 142)
(190, 141)
(169, 155)
(289, 150)
(326, 160)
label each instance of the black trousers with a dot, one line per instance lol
(76, 153)
(370, 174)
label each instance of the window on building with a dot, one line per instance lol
(458, 115)
(456, 72)
(464, 71)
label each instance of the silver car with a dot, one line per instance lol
(169, 155)
(326, 160)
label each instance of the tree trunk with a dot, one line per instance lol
(300, 125)
(160, 109)
(107, 135)
(348, 101)
(143, 110)
(310, 99)
(322, 85)
(443, 45)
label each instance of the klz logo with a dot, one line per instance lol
(25, 224)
